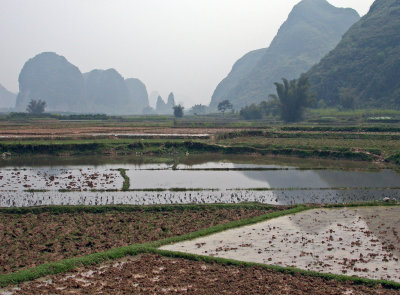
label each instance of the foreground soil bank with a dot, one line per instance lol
(27, 240)
(153, 274)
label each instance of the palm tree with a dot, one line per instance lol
(178, 111)
(36, 107)
(293, 97)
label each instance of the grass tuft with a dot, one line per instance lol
(126, 184)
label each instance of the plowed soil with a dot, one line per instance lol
(153, 274)
(75, 130)
(27, 240)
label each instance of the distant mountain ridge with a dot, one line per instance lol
(138, 91)
(165, 108)
(313, 28)
(7, 98)
(366, 63)
(52, 78)
(239, 70)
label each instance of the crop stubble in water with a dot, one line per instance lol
(234, 186)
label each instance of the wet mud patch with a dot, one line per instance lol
(364, 242)
(178, 196)
(52, 178)
(153, 274)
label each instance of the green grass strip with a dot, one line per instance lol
(68, 265)
(286, 270)
(126, 184)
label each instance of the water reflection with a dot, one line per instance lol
(217, 181)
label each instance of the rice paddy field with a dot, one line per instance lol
(115, 208)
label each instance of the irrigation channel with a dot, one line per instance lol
(43, 182)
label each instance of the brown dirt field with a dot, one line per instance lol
(60, 130)
(153, 274)
(27, 240)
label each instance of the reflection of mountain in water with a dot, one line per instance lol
(381, 179)
(308, 179)
(326, 178)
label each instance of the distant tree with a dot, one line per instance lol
(252, 112)
(178, 111)
(225, 105)
(293, 97)
(199, 109)
(36, 107)
(270, 108)
(321, 104)
(348, 98)
(263, 109)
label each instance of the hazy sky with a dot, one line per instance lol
(185, 46)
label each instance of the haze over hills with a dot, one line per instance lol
(239, 70)
(153, 98)
(107, 93)
(165, 108)
(366, 63)
(313, 28)
(51, 78)
(138, 91)
(7, 98)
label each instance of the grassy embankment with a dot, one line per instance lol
(372, 143)
(328, 116)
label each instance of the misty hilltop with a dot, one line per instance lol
(138, 92)
(165, 108)
(51, 78)
(7, 98)
(366, 63)
(313, 28)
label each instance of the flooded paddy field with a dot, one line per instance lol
(274, 197)
(59, 178)
(183, 182)
(364, 242)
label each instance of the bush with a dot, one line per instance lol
(252, 112)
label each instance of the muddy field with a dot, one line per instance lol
(55, 178)
(27, 240)
(153, 274)
(77, 130)
(364, 242)
(274, 197)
